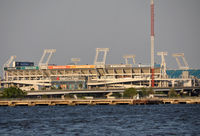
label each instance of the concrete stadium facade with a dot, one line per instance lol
(73, 77)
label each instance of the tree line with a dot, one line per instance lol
(15, 92)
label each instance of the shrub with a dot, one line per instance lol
(130, 92)
(150, 91)
(172, 93)
(144, 92)
(80, 86)
(13, 92)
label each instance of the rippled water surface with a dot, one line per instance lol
(122, 120)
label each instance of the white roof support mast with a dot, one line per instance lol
(46, 51)
(100, 62)
(177, 56)
(126, 57)
(75, 60)
(163, 63)
(7, 64)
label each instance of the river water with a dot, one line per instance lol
(119, 120)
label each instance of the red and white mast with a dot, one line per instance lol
(152, 43)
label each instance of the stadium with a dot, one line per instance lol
(100, 75)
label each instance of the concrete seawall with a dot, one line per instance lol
(73, 102)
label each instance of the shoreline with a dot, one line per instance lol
(74, 102)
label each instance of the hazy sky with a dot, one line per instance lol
(75, 28)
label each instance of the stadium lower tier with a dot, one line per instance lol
(92, 78)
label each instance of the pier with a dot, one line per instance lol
(74, 102)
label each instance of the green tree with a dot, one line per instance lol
(13, 92)
(172, 93)
(150, 91)
(146, 92)
(143, 92)
(130, 92)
